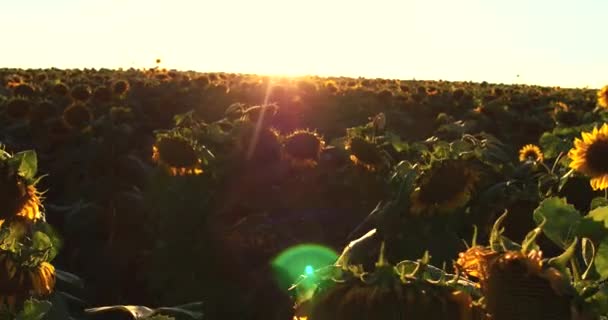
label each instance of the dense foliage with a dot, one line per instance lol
(159, 188)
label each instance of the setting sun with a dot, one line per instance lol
(545, 42)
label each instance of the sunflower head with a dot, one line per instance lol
(120, 87)
(24, 90)
(259, 146)
(602, 97)
(42, 112)
(178, 154)
(590, 156)
(446, 186)
(77, 116)
(365, 153)
(475, 260)
(531, 153)
(61, 89)
(519, 287)
(18, 196)
(17, 108)
(303, 148)
(102, 94)
(81, 92)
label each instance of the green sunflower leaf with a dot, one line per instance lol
(562, 220)
(595, 224)
(34, 310)
(27, 164)
(601, 259)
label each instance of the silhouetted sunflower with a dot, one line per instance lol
(18, 108)
(530, 152)
(602, 97)
(590, 156)
(178, 154)
(365, 153)
(446, 186)
(81, 92)
(303, 148)
(77, 116)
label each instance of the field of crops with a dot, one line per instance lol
(159, 194)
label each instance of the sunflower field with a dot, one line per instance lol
(163, 194)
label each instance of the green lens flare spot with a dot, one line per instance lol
(309, 270)
(302, 259)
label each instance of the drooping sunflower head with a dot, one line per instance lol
(18, 197)
(518, 286)
(446, 186)
(178, 154)
(20, 283)
(602, 97)
(590, 156)
(77, 116)
(365, 153)
(474, 262)
(259, 146)
(42, 279)
(303, 148)
(531, 153)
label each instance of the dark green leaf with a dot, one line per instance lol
(601, 259)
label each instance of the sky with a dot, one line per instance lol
(542, 42)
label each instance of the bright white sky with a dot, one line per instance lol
(546, 42)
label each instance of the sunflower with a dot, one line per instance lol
(18, 283)
(474, 262)
(17, 198)
(365, 153)
(446, 186)
(303, 148)
(77, 116)
(530, 152)
(602, 97)
(178, 154)
(518, 286)
(18, 108)
(590, 156)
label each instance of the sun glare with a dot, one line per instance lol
(468, 40)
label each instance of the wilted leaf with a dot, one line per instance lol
(562, 220)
